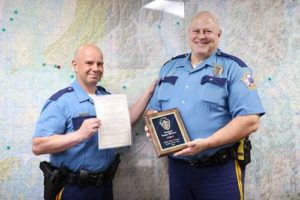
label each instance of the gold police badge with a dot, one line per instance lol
(217, 69)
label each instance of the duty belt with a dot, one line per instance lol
(54, 175)
(84, 178)
(220, 157)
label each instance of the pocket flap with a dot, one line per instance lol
(77, 121)
(212, 79)
(168, 79)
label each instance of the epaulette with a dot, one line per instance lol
(179, 56)
(60, 93)
(236, 59)
(102, 89)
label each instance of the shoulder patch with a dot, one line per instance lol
(60, 93)
(236, 59)
(176, 57)
(249, 81)
(102, 89)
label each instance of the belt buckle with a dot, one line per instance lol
(200, 163)
(83, 178)
(100, 179)
(192, 163)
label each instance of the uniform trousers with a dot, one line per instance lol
(91, 192)
(217, 182)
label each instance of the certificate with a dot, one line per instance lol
(115, 129)
(167, 131)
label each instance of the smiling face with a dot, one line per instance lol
(88, 65)
(204, 34)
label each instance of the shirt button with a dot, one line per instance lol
(183, 102)
(186, 86)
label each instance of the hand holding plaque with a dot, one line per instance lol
(167, 131)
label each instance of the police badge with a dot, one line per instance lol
(167, 130)
(217, 70)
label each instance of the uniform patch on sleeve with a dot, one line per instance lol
(249, 81)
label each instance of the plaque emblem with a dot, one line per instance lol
(165, 123)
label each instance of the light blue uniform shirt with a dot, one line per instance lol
(209, 96)
(64, 113)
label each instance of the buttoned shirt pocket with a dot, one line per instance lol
(77, 121)
(213, 90)
(166, 88)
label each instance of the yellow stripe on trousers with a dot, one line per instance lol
(59, 195)
(238, 172)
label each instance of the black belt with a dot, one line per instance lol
(220, 157)
(84, 178)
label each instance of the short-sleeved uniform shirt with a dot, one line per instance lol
(64, 113)
(209, 96)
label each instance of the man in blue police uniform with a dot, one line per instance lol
(66, 129)
(216, 96)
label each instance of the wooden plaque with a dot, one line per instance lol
(167, 131)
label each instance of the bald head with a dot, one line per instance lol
(208, 16)
(82, 50)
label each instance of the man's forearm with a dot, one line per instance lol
(55, 143)
(240, 127)
(137, 109)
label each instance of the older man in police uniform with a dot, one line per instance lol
(216, 95)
